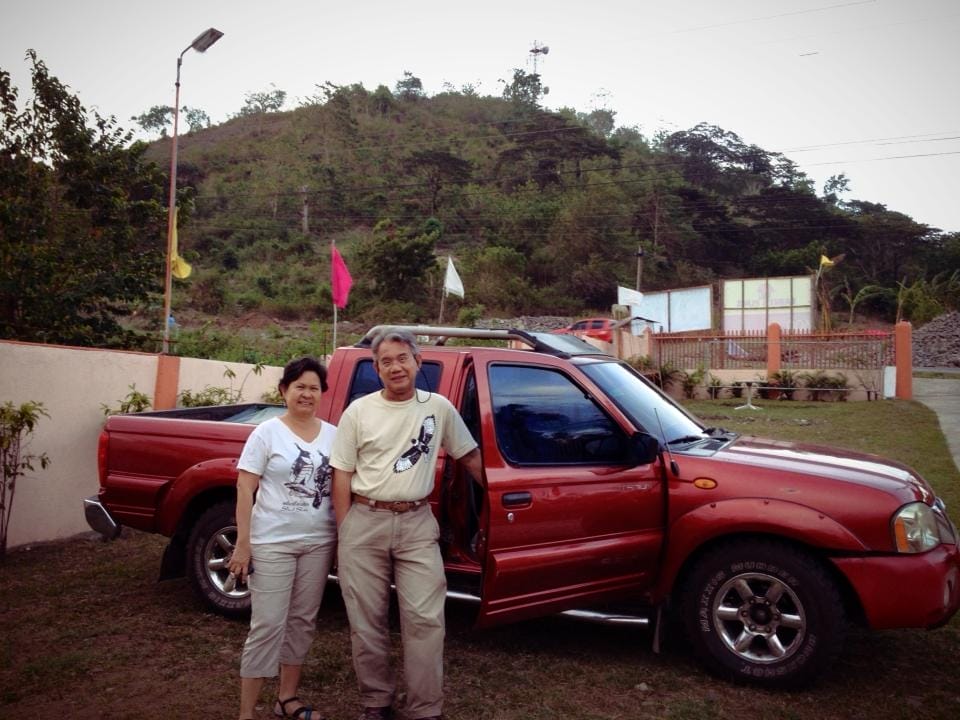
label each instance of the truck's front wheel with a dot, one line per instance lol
(763, 612)
(208, 550)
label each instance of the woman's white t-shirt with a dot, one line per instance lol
(293, 500)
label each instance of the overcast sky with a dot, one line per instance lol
(864, 87)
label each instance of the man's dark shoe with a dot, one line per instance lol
(377, 713)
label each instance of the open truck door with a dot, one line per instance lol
(571, 518)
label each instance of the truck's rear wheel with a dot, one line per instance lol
(208, 550)
(763, 612)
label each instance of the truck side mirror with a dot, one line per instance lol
(646, 448)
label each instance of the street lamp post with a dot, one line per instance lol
(200, 44)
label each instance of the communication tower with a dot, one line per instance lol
(536, 52)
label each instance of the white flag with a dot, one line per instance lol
(452, 285)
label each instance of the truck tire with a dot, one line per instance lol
(763, 612)
(211, 543)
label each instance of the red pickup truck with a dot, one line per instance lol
(602, 498)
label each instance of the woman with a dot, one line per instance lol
(286, 539)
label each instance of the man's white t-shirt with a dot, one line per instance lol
(293, 500)
(391, 447)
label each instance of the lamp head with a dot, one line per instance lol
(206, 39)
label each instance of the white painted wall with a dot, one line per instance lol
(72, 383)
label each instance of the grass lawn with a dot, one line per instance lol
(87, 632)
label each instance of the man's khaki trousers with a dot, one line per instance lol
(375, 547)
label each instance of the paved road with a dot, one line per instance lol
(943, 397)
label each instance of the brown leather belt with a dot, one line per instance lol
(397, 506)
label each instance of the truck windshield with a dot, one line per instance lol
(646, 406)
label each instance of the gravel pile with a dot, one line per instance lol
(539, 323)
(937, 344)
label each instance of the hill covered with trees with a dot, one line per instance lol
(543, 211)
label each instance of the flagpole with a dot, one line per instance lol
(340, 283)
(443, 297)
(334, 346)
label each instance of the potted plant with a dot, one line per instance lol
(668, 376)
(768, 387)
(714, 386)
(736, 388)
(690, 381)
(788, 381)
(822, 386)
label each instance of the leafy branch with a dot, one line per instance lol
(16, 426)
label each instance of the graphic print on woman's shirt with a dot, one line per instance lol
(309, 480)
(421, 446)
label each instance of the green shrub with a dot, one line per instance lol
(16, 426)
(134, 401)
(469, 316)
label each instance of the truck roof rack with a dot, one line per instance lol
(564, 346)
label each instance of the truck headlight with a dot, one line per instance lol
(915, 528)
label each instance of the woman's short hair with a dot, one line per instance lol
(395, 335)
(295, 368)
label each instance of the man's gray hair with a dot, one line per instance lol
(395, 335)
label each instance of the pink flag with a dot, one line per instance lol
(340, 280)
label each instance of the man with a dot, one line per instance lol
(384, 459)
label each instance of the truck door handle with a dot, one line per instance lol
(516, 499)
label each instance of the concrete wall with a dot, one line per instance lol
(72, 383)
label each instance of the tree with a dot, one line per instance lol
(196, 119)
(886, 246)
(158, 117)
(497, 279)
(82, 219)
(542, 143)
(410, 87)
(720, 161)
(601, 121)
(257, 103)
(438, 167)
(155, 119)
(525, 90)
(834, 187)
(398, 259)
(381, 101)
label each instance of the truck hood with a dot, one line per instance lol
(829, 462)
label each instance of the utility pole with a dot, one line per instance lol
(305, 215)
(639, 265)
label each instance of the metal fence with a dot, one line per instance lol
(868, 350)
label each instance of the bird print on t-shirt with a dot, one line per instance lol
(421, 446)
(308, 479)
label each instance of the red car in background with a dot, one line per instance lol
(599, 328)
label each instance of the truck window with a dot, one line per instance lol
(365, 379)
(470, 407)
(542, 417)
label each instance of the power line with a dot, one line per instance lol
(890, 157)
(772, 17)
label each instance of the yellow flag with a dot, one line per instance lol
(178, 266)
(825, 261)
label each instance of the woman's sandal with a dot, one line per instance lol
(305, 712)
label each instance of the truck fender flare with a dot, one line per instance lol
(750, 516)
(209, 474)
